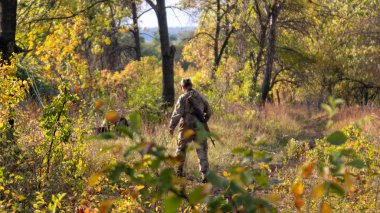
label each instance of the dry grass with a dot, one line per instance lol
(235, 126)
(240, 126)
(367, 117)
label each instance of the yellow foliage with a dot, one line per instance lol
(94, 179)
(297, 189)
(318, 191)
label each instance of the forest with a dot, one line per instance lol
(289, 93)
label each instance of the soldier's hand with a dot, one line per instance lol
(171, 131)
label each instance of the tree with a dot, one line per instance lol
(216, 28)
(8, 9)
(167, 53)
(136, 33)
(273, 11)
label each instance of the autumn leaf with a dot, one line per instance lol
(98, 104)
(348, 184)
(112, 116)
(188, 133)
(325, 208)
(297, 189)
(299, 202)
(94, 179)
(307, 170)
(318, 191)
(105, 205)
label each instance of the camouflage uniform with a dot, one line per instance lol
(188, 124)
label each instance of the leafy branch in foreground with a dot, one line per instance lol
(340, 159)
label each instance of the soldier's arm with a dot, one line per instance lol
(207, 109)
(177, 113)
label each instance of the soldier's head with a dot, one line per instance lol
(186, 84)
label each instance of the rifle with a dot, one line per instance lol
(201, 118)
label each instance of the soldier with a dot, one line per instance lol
(184, 113)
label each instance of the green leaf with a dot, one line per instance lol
(262, 156)
(261, 179)
(125, 131)
(135, 119)
(357, 163)
(172, 203)
(216, 180)
(337, 138)
(238, 150)
(106, 136)
(328, 109)
(337, 189)
(197, 195)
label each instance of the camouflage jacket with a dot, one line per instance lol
(183, 112)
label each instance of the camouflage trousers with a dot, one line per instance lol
(201, 148)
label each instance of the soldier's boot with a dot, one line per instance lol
(203, 160)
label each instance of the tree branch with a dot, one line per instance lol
(154, 6)
(224, 45)
(69, 16)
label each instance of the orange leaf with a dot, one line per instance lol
(297, 189)
(307, 170)
(299, 203)
(188, 133)
(98, 104)
(112, 117)
(105, 205)
(325, 208)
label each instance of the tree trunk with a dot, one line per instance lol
(167, 53)
(136, 33)
(7, 27)
(8, 10)
(263, 32)
(216, 40)
(110, 57)
(270, 52)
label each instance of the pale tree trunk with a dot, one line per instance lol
(167, 53)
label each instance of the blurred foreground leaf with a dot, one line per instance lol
(337, 138)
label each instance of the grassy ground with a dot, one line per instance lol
(286, 131)
(275, 127)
